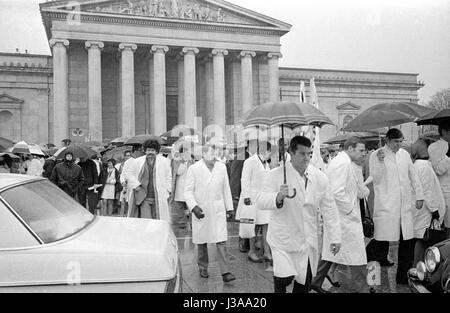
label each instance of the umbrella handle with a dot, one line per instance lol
(293, 196)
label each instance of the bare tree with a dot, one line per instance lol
(440, 100)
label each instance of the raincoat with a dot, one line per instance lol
(441, 165)
(210, 190)
(392, 180)
(434, 199)
(254, 173)
(162, 180)
(347, 189)
(293, 234)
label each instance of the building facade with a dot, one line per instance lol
(120, 68)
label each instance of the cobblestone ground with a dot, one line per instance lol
(257, 277)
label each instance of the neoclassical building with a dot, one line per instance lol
(120, 68)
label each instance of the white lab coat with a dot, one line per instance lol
(35, 168)
(293, 234)
(434, 199)
(441, 165)
(163, 182)
(210, 190)
(127, 170)
(344, 185)
(253, 175)
(392, 181)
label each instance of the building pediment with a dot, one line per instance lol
(197, 11)
(348, 106)
(10, 102)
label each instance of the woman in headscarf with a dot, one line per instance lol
(434, 204)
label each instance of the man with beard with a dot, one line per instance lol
(68, 176)
(150, 178)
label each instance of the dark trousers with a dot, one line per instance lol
(378, 251)
(322, 272)
(89, 197)
(280, 283)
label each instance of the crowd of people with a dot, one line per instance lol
(305, 221)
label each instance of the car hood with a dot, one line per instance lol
(110, 249)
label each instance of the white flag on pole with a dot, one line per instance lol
(316, 158)
(304, 129)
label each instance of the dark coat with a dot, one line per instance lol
(104, 177)
(89, 169)
(49, 164)
(235, 175)
(68, 176)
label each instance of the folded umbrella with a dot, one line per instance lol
(140, 139)
(387, 115)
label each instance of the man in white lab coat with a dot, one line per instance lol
(345, 187)
(439, 152)
(293, 235)
(254, 173)
(393, 177)
(208, 196)
(150, 178)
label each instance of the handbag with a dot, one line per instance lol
(247, 221)
(367, 222)
(432, 235)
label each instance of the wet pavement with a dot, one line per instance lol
(258, 277)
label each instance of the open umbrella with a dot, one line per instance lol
(10, 155)
(21, 147)
(435, 118)
(363, 135)
(35, 149)
(77, 152)
(92, 143)
(140, 139)
(115, 153)
(5, 143)
(387, 115)
(179, 131)
(289, 114)
(119, 140)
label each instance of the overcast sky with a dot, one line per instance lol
(410, 36)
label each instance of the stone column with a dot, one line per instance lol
(127, 82)
(60, 90)
(219, 87)
(247, 79)
(159, 118)
(190, 92)
(151, 105)
(209, 78)
(274, 76)
(95, 89)
(181, 106)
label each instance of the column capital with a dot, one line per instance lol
(271, 55)
(215, 52)
(159, 49)
(94, 45)
(127, 47)
(59, 42)
(190, 50)
(246, 53)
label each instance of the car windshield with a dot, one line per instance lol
(50, 213)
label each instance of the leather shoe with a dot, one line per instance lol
(254, 258)
(228, 277)
(319, 289)
(386, 263)
(204, 273)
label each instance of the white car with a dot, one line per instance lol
(50, 243)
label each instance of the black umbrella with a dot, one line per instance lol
(435, 118)
(140, 139)
(77, 152)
